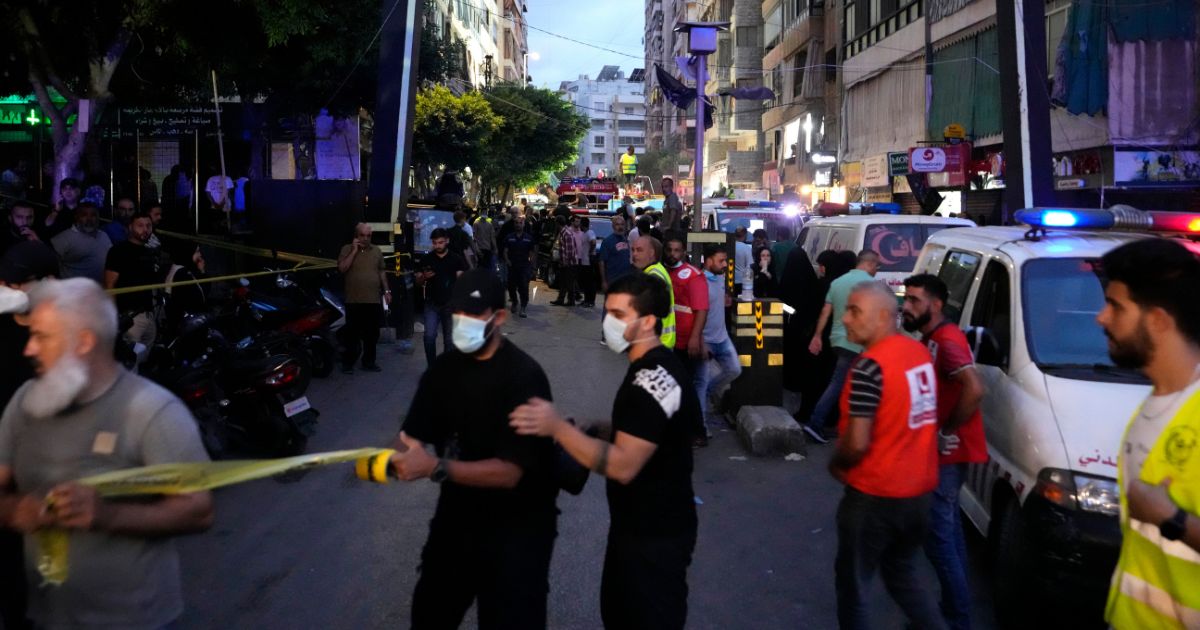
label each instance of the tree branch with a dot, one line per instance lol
(101, 70)
(35, 50)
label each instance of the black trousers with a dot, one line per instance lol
(691, 366)
(362, 332)
(587, 283)
(644, 584)
(518, 285)
(12, 576)
(505, 569)
(567, 284)
(885, 535)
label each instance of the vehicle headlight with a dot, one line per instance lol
(1096, 494)
(1076, 491)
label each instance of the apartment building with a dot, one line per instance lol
(492, 35)
(732, 152)
(616, 105)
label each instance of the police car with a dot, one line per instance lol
(897, 238)
(1055, 406)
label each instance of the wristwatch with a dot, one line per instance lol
(439, 473)
(1175, 527)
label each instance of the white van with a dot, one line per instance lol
(1054, 410)
(897, 237)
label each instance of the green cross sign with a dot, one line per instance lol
(33, 118)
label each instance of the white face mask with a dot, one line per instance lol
(614, 334)
(469, 334)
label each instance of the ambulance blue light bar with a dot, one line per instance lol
(1117, 217)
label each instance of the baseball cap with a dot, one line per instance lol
(30, 260)
(476, 292)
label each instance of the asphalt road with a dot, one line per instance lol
(329, 551)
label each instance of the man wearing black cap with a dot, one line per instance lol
(21, 266)
(493, 532)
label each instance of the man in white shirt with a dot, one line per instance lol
(743, 274)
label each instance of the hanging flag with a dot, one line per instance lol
(673, 89)
(690, 67)
(756, 93)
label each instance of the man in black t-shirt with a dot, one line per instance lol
(493, 532)
(132, 264)
(648, 463)
(440, 269)
(519, 251)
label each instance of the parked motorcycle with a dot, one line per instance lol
(247, 397)
(304, 321)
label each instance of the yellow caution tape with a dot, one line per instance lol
(54, 544)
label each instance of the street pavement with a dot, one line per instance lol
(330, 551)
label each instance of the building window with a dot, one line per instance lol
(876, 12)
(851, 28)
(747, 36)
(772, 28)
(799, 61)
(1057, 12)
(598, 141)
(597, 158)
(597, 123)
(628, 110)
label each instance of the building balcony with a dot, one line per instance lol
(780, 116)
(794, 39)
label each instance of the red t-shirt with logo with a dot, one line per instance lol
(691, 295)
(952, 354)
(894, 384)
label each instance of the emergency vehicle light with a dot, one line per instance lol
(1175, 221)
(1119, 217)
(750, 203)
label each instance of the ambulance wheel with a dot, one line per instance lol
(1012, 566)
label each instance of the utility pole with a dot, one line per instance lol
(702, 42)
(1026, 106)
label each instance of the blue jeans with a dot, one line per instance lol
(825, 413)
(946, 548)
(435, 317)
(721, 368)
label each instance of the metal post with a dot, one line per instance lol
(220, 151)
(928, 73)
(137, 165)
(698, 181)
(196, 179)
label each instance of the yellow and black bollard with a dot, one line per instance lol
(758, 338)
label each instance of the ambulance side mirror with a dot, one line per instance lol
(985, 347)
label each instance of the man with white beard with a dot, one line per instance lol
(83, 415)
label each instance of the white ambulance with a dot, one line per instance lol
(897, 237)
(1055, 406)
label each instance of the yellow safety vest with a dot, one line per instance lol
(628, 164)
(668, 322)
(1157, 581)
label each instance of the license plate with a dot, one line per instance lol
(300, 405)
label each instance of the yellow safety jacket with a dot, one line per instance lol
(1157, 582)
(668, 323)
(628, 164)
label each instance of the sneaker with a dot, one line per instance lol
(372, 368)
(523, 312)
(814, 434)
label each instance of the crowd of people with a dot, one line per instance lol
(902, 409)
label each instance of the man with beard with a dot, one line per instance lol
(85, 415)
(648, 463)
(645, 254)
(960, 436)
(20, 268)
(118, 229)
(492, 535)
(83, 248)
(62, 215)
(20, 226)
(440, 269)
(690, 292)
(132, 264)
(1151, 317)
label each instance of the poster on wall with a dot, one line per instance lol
(337, 154)
(875, 171)
(1156, 168)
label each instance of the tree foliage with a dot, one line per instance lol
(450, 130)
(540, 134)
(663, 161)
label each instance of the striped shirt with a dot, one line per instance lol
(866, 388)
(568, 247)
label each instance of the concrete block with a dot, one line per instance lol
(769, 431)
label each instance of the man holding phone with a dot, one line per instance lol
(440, 269)
(362, 265)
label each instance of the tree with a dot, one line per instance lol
(664, 161)
(292, 52)
(450, 131)
(540, 134)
